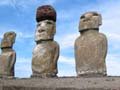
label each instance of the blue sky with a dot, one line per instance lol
(19, 16)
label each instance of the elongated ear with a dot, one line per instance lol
(14, 37)
(100, 19)
(54, 28)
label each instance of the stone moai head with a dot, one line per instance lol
(8, 40)
(90, 20)
(46, 23)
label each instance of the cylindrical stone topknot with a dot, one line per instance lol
(45, 12)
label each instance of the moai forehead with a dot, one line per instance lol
(8, 39)
(45, 12)
(90, 20)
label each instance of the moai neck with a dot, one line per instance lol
(6, 49)
(89, 31)
(44, 41)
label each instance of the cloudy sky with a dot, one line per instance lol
(19, 16)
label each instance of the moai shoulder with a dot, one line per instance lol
(8, 55)
(46, 52)
(90, 46)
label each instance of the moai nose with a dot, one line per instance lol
(43, 24)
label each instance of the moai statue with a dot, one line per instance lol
(90, 46)
(46, 52)
(7, 56)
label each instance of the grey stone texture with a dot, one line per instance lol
(8, 55)
(90, 46)
(71, 83)
(46, 52)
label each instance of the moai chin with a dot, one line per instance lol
(46, 52)
(7, 56)
(90, 46)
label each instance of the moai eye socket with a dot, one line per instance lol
(38, 24)
(95, 14)
(48, 22)
(10, 33)
(82, 17)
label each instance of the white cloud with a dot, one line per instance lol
(24, 35)
(113, 40)
(114, 36)
(66, 60)
(1, 36)
(113, 65)
(68, 40)
(23, 60)
(111, 25)
(23, 67)
(68, 69)
(67, 73)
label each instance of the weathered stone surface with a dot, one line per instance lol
(45, 30)
(90, 20)
(46, 52)
(45, 12)
(8, 40)
(90, 47)
(99, 83)
(44, 61)
(8, 56)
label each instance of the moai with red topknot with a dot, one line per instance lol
(90, 46)
(46, 51)
(8, 55)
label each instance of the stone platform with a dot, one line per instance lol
(62, 83)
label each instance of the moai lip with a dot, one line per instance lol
(90, 47)
(46, 51)
(8, 55)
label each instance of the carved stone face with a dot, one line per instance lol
(11, 36)
(90, 20)
(45, 30)
(8, 39)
